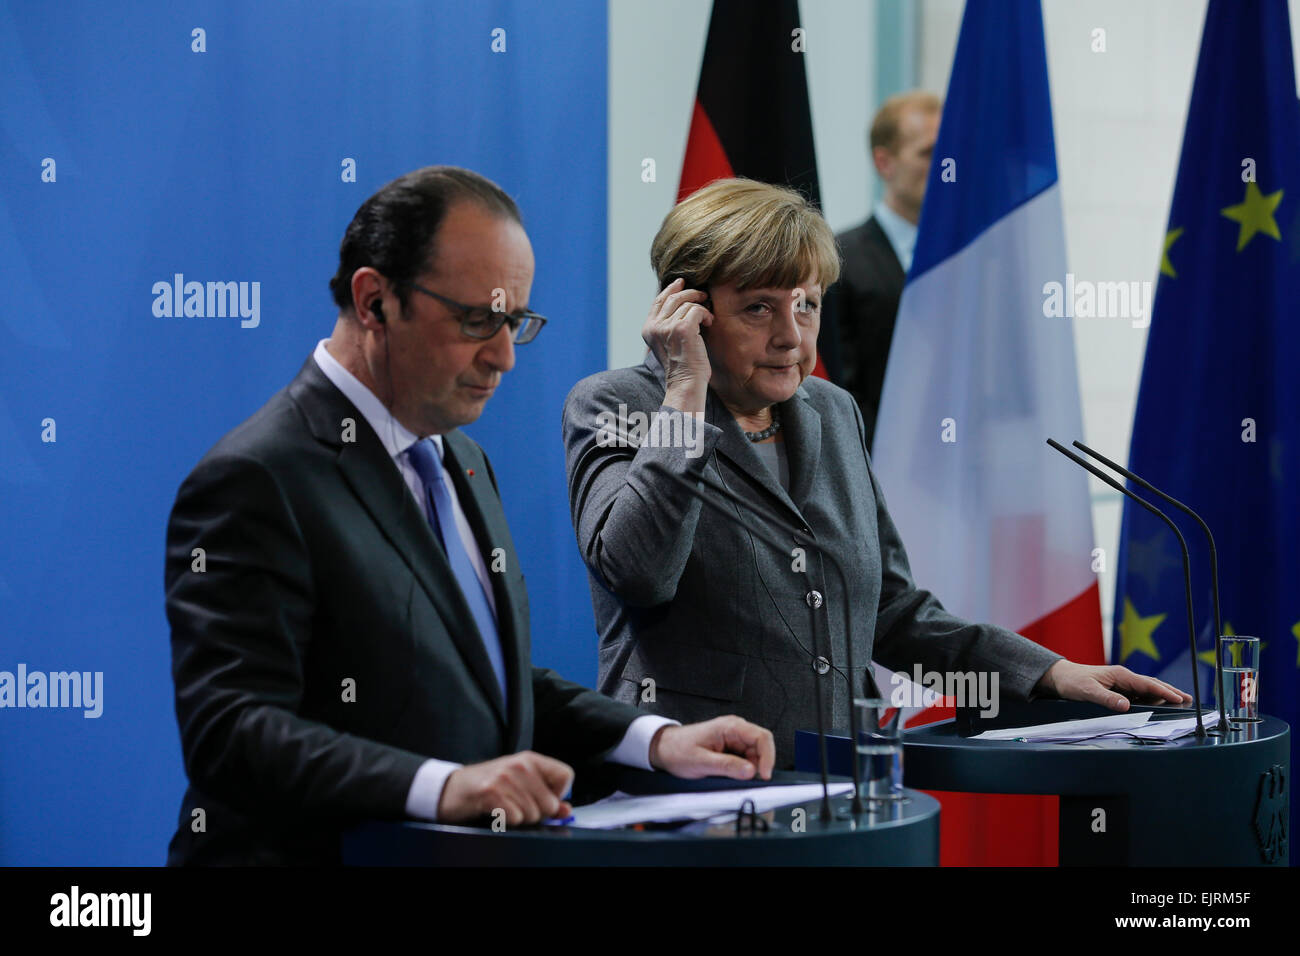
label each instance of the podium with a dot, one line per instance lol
(905, 834)
(1188, 802)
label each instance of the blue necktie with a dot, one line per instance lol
(424, 457)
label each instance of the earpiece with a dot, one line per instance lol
(707, 303)
(377, 310)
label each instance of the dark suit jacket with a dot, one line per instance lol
(861, 309)
(718, 618)
(322, 574)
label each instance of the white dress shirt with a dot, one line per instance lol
(900, 233)
(426, 789)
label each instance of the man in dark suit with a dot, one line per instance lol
(862, 307)
(350, 631)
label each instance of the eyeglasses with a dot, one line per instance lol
(480, 322)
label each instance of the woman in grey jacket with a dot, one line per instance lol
(703, 612)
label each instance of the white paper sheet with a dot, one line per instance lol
(1069, 728)
(621, 809)
(1065, 731)
(1173, 729)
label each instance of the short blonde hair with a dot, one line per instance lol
(886, 126)
(750, 233)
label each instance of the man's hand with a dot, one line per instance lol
(527, 786)
(721, 747)
(1110, 685)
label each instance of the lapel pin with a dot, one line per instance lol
(470, 472)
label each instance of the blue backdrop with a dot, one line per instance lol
(130, 156)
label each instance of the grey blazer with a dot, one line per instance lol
(721, 621)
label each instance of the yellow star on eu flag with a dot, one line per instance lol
(1208, 657)
(1167, 267)
(1295, 629)
(1255, 213)
(1135, 633)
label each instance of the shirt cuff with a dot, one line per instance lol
(634, 749)
(426, 789)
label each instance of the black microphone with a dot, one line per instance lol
(1214, 572)
(803, 539)
(1187, 572)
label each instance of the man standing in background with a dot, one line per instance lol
(878, 254)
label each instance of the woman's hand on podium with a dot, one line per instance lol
(1110, 685)
(722, 747)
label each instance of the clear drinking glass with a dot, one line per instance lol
(1240, 690)
(879, 748)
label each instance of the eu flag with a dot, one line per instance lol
(1218, 411)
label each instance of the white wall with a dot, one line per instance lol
(1119, 118)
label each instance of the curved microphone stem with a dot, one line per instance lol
(1187, 567)
(805, 539)
(1214, 572)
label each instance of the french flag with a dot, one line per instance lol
(978, 378)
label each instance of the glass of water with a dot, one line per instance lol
(879, 748)
(1240, 690)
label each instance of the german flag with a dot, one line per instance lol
(751, 114)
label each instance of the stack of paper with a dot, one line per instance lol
(1137, 724)
(621, 809)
